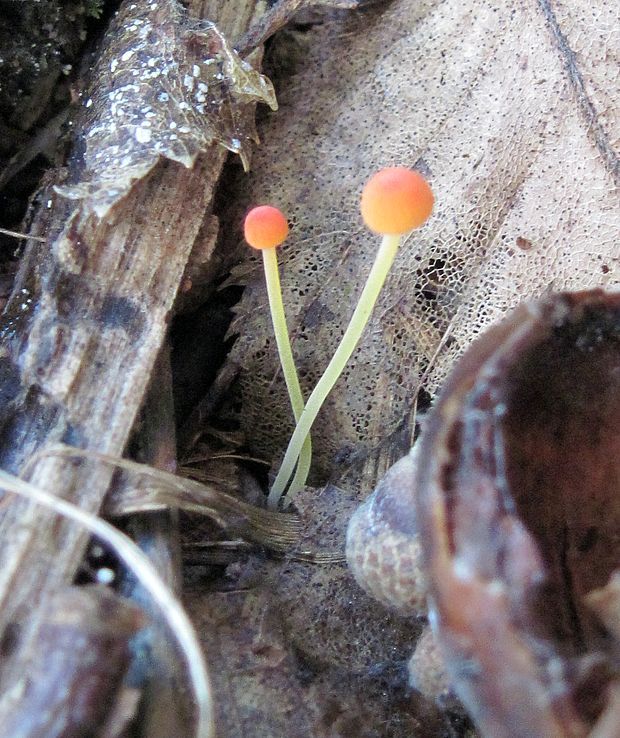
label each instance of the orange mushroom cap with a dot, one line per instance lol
(396, 200)
(265, 227)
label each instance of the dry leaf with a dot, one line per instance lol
(512, 112)
(516, 502)
(162, 88)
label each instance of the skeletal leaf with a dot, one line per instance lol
(511, 112)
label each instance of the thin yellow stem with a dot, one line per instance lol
(361, 314)
(301, 473)
(280, 329)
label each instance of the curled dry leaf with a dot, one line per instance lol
(163, 87)
(519, 515)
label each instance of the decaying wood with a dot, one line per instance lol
(156, 663)
(81, 334)
(164, 86)
(81, 656)
(156, 446)
(66, 384)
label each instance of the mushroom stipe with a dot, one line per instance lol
(393, 202)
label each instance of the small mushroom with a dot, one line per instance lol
(393, 202)
(265, 228)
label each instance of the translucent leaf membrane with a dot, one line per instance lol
(162, 87)
(516, 136)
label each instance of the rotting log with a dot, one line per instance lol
(80, 336)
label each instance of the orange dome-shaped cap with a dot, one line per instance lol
(265, 227)
(396, 200)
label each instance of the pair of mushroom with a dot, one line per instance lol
(394, 201)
